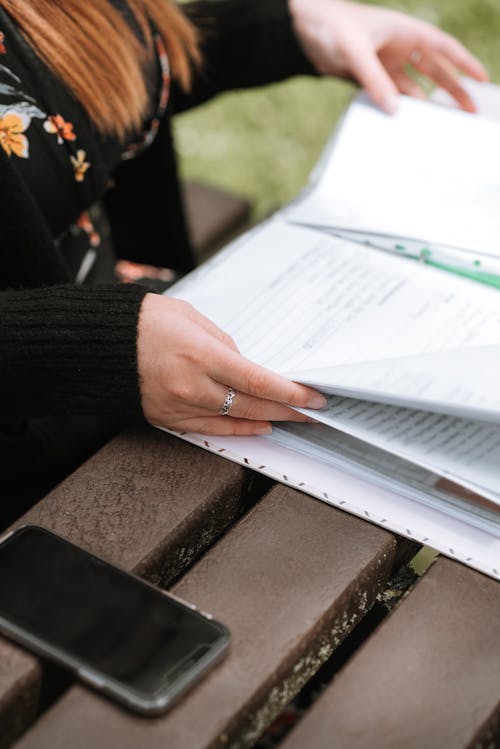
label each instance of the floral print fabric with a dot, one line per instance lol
(52, 143)
(17, 112)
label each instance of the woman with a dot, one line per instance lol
(87, 175)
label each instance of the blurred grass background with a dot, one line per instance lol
(263, 143)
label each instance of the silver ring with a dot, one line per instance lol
(228, 402)
(416, 57)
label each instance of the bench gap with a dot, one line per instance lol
(403, 581)
(332, 651)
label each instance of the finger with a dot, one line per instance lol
(246, 377)
(206, 398)
(224, 427)
(210, 396)
(460, 57)
(407, 86)
(372, 76)
(439, 69)
(425, 36)
(247, 407)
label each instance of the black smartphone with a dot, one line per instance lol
(123, 636)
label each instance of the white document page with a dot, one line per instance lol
(387, 508)
(486, 97)
(384, 469)
(428, 173)
(466, 451)
(295, 300)
(355, 322)
(236, 285)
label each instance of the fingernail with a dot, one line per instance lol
(317, 401)
(391, 103)
(263, 430)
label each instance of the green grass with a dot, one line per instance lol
(263, 143)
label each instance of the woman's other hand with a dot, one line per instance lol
(374, 46)
(186, 366)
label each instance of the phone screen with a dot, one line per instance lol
(102, 617)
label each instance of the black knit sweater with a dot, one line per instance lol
(70, 349)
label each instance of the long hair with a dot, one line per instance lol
(92, 48)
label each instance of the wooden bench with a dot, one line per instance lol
(292, 577)
(302, 587)
(429, 677)
(213, 216)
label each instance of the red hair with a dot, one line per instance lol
(98, 55)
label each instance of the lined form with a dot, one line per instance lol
(354, 322)
(408, 355)
(346, 320)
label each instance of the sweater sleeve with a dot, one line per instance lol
(69, 349)
(244, 43)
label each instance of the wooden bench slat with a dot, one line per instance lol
(428, 677)
(212, 215)
(290, 580)
(20, 679)
(147, 502)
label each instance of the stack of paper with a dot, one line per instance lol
(427, 174)
(409, 355)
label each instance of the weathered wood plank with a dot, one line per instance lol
(429, 677)
(20, 680)
(146, 501)
(290, 580)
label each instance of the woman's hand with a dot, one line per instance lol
(186, 366)
(375, 45)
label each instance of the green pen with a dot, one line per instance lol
(485, 270)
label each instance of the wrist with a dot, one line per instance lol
(297, 10)
(311, 23)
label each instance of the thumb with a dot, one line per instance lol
(373, 77)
